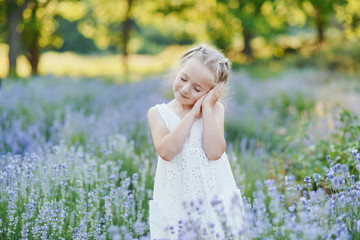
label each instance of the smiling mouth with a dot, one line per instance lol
(183, 95)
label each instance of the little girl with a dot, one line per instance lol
(193, 176)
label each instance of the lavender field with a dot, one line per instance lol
(77, 160)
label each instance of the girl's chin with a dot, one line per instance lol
(184, 102)
(181, 99)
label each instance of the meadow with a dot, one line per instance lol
(91, 65)
(77, 160)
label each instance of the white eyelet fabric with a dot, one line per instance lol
(191, 176)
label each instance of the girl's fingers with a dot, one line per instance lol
(218, 89)
(200, 100)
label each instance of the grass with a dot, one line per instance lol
(335, 55)
(108, 66)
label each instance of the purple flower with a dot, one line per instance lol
(191, 235)
(354, 152)
(210, 225)
(291, 208)
(139, 227)
(330, 174)
(307, 181)
(215, 201)
(269, 182)
(328, 158)
(286, 180)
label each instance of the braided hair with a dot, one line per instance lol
(214, 60)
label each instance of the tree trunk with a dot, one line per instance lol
(13, 16)
(12, 20)
(247, 48)
(126, 36)
(34, 59)
(319, 27)
(32, 43)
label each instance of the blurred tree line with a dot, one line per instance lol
(244, 29)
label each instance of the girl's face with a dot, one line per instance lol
(193, 81)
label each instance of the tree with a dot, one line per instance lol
(14, 11)
(39, 25)
(30, 27)
(127, 27)
(37, 28)
(348, 15)
(2, 20)
(256, 18)
(200, 20)
(319, 13)
(110, 23)
(222, 23)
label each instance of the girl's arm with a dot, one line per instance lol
(169, 144)
(213, 124)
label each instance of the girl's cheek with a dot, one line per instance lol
(198, 97)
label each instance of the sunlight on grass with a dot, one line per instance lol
(4, 61)
(72, 64)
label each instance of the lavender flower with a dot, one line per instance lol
(317, 179)
(328, 158)
(354, 152)
(74, 159)
(307, 181)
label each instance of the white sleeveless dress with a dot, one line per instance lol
(191, 176)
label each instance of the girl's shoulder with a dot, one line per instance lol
(156, 122)
(153, 116)
(154, 113)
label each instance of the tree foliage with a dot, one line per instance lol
(319, 13)
(244, 29)
(39, 25)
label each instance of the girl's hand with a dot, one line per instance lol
(213, 96)
(196, 109)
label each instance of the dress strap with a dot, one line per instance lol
(168, 116)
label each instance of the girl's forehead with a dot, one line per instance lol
(197, 73)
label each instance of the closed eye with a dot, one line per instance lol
(198, 90)
(183, 79)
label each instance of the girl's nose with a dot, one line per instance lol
(186, 88)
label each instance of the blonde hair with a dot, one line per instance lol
(210, 57)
